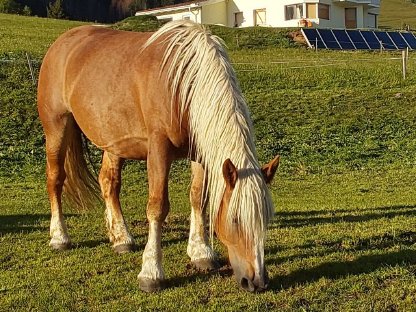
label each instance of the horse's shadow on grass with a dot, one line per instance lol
(340, 269)
(24, 224)
(315, 217)
(193, 275)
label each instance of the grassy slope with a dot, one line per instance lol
(30, 34)
(342, 240)
(395, 13)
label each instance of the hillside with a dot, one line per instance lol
(396, 13)
(344, 234)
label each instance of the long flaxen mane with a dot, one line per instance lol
(203, 82)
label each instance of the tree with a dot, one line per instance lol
(26, 11)
(55, 9)
(9, 6)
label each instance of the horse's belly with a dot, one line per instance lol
(127, 147)
(119, 136)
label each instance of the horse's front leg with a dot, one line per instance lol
(201, 254)
(151, 277)
(110, 182)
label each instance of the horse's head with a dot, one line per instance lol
(245, 250)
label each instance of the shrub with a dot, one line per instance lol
(26, 11)
(139, 23)
(56, 10)
(9, 6)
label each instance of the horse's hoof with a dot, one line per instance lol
(206, 264)
(60, 246)
(124, 248)
(150, 286)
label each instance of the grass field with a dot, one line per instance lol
(344, 236)
(397, 13)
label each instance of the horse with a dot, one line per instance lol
(156, 97)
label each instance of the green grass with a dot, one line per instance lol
(338, 243)
(397, 13)
(345, 229)
(30, 34)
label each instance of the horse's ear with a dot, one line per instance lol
(230, 173)
(269, 169)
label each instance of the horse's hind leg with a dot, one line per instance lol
(201, 254)
(110, 182)
(56, 131)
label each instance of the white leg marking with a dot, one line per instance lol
(58, 231)
(152, 255)
(117, 229)
(198, 247)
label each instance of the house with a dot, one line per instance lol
(274, 13)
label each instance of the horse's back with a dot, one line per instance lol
(113, 89)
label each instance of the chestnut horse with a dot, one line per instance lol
(156, 97)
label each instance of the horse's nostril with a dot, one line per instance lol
(246, 284)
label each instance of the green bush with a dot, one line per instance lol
(234, 38)
(9, 6)
(253, 37)
(139, 23)
(55, 9)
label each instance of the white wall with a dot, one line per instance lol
(275, 11)
(194, 15)
(222, 12)
(215, 13)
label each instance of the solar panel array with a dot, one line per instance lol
(348, 39)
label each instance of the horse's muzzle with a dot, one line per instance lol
(256, 285)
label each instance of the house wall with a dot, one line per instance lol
(368, 18)
(215, 14)
(223, 12)
(193, 14)
(275, 12)
(248, 7)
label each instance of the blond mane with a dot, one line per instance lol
(204, 84)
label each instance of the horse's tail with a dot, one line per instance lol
(81, 188)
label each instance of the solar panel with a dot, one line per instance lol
(329, 39)
(387, 43)
(312, 37)
(398, 39)
(343, 39)
(410, 39)
(358, 39)
(371, 39)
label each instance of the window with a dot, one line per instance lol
(350, 18)
(186, 17)
(311, 10)
(260, 17)
(238, 19)
(294, 11)
(323, 11)
(372, 20)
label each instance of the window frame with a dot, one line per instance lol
(255, 13)
(322, 5)
(314, 4)
(295, 6)
(236, 24)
